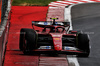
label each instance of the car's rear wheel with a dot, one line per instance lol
(83, 44)
(28, 39)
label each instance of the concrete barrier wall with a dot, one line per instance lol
(1, 41)
(4, 8)
(86, 10)
(4, 28)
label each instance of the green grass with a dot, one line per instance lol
(31, 2)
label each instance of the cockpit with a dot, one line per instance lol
(55, 29)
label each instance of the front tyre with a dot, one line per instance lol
(28, 39)
(83, 44)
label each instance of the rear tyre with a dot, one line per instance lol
(83, 44)
(28, 39)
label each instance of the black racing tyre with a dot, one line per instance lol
(83, 44)
(21, 40)
(28, 39)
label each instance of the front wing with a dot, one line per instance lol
(50, 51)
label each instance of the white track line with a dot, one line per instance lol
(72, 60)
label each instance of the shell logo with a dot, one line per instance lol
(56, 38)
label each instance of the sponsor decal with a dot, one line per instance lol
(45, 23)
(56, 38)
(56, 22)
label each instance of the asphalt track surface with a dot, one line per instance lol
(89, 23)
(91, 26)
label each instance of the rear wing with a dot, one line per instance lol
(49, 23)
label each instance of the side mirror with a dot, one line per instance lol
(66, 23)
(35, 22)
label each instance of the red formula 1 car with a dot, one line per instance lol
(56, 36)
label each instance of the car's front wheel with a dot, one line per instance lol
(83, 44)
(28, 39)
